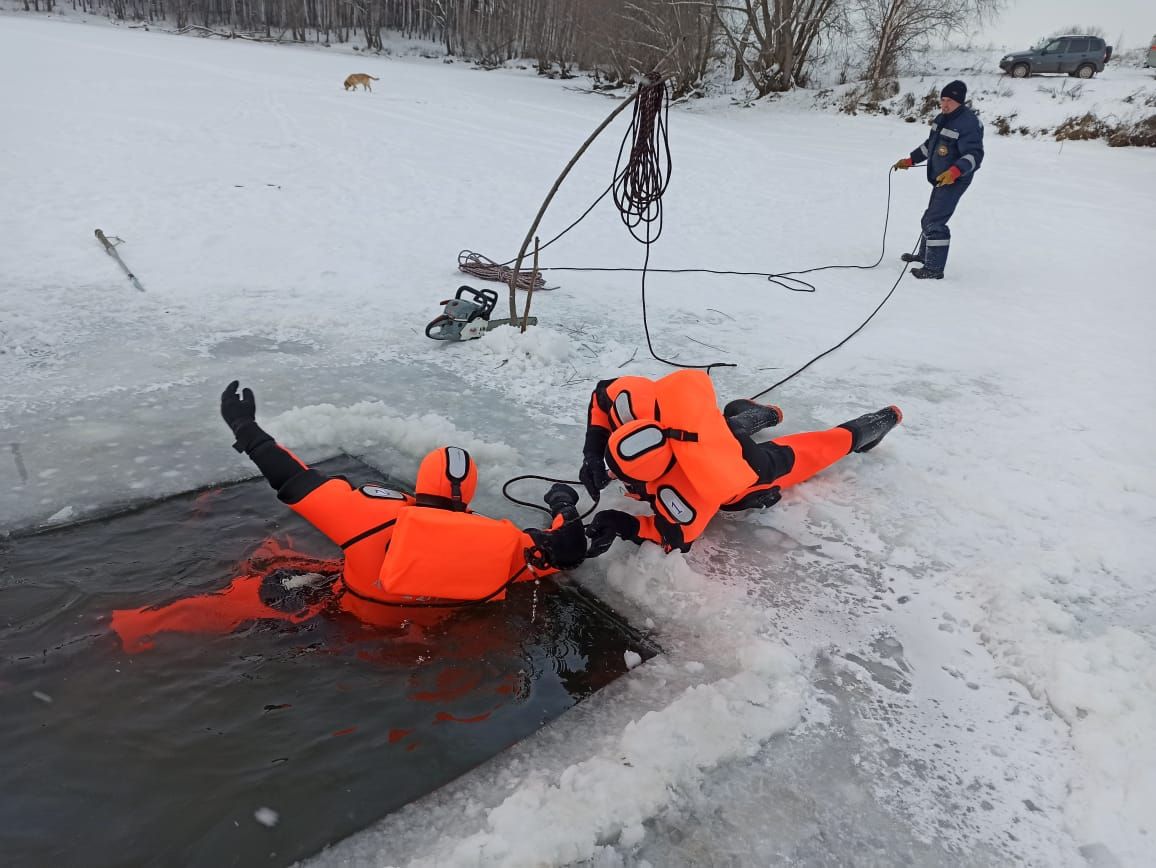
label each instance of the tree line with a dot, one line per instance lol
(773, 44)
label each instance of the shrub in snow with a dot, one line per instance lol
(1086, 126)
(1140, 134)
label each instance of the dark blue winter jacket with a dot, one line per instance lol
(956, 140)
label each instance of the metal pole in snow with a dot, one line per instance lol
(110, 249)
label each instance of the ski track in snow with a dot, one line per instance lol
(937, 653)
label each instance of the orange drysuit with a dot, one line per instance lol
(671, 446)
(406, 558)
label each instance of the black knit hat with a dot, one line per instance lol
(956, 90)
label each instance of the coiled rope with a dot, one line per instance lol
(638, 186)
(486, 269)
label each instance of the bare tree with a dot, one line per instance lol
(622, 38)
(896, 26)
(774, 41)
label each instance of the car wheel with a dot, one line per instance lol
(1086, 71)
(1021, 70)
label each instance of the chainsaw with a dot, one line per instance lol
(467, 316)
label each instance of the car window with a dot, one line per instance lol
(1095, 43)
(1055, 45)
(1077, 46)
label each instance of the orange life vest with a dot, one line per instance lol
(685, 455)
(396, 551)
(453, 556)
(713, 463)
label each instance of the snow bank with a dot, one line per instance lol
(539, 347)
(607, 798)
(369, 423)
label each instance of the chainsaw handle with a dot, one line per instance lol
(485, 298)
(437, 321)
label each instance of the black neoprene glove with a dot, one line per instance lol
(608, 525)
(236, 409)
(240, 413)
(593, 475)
(559, 497)
(564, 547)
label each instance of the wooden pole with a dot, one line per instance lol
(541, 211)
(530, 291)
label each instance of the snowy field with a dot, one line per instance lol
(938, 653)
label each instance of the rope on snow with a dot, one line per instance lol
(486, 269)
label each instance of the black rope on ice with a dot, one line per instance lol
(858, 329)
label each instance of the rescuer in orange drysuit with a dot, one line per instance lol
(402, 554)
(407, 558)
(671, 447)
(403, 550)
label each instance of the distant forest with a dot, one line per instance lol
(773, 44)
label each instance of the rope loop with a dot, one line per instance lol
(574, 482)
(486, 269)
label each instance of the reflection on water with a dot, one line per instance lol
(268, 731)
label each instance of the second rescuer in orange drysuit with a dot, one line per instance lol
(403, 550)
(671, 447)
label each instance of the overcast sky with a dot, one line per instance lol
(1024, 21)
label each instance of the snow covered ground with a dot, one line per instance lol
(941, 652)
(1122, 97)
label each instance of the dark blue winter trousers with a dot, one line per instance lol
(936, 236)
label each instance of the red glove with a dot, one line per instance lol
(948, 177)
(905, 163)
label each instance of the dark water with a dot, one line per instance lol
(164, 756)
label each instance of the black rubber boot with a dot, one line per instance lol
(745, 416)
(869, 429)
(912, 257)
(926, 274)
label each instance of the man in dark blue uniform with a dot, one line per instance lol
(954, 152)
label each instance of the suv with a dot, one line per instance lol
(1081, 56)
